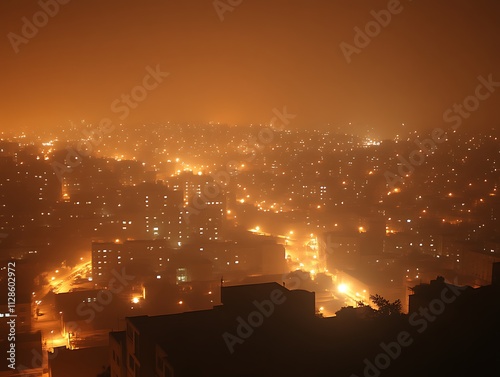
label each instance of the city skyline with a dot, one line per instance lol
(249, 188)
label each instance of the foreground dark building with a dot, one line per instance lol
(250, 321)
(268, 330)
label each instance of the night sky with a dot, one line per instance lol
(264, 54)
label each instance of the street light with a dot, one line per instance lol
(342, 288)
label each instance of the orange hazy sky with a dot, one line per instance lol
(265, 54)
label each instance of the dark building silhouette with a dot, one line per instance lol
(451, 333)
(496, 274)
(208, 342)
(85, 362)
(28, 355)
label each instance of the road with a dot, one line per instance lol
(45, 317)
(62, 281)
(345, 290)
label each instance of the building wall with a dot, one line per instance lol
(117, 354)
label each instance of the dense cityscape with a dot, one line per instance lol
(306, 209)
(240, 189)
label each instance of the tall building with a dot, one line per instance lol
(204, 205)
(156, 210)
(142, 258)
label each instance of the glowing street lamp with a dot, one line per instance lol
(342, 288)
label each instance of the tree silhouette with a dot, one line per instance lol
(385, 307)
